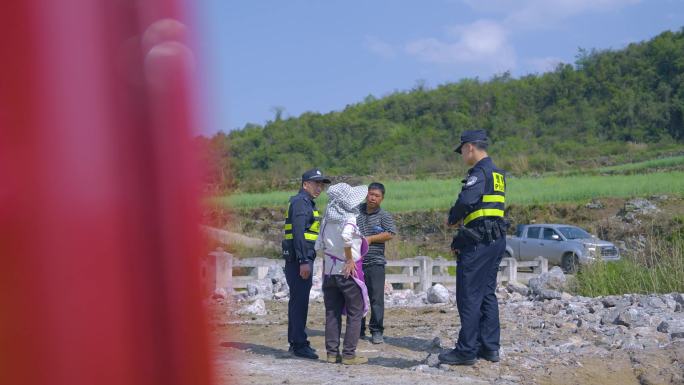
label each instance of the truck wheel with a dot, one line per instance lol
(570, 263)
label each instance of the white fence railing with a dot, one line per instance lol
(418, 273)
(422, 272)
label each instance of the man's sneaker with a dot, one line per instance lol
(334, 358)
(376, 338)
(454, 357)
(356, 360)
(489, 355)
(305, 352)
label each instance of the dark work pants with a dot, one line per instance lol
(374, 276)
(339, 292)
(476, 301)
(298, 305)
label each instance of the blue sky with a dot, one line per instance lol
(255, 56)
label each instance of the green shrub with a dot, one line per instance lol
(659, 270)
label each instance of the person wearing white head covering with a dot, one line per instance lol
(343, 287)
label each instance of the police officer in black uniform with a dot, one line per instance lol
(479, 245)
(302, 222)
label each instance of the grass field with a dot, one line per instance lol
(434, 194)
(673, 161)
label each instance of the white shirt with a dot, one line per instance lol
(332, 241)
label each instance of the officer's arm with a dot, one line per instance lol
(300, 218)
(471, 193)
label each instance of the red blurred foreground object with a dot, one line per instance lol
(98, 196)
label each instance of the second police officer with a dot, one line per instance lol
(479, 245)
(302, 222)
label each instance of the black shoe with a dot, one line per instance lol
(291, 348)
(305, 352)
(376, 338)
(489, 355)
(362, 335)
(454, 357)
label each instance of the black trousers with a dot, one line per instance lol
(476, 301)
(374, 276)
(298, 305)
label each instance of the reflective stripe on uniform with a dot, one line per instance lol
(310, 234)
(315, 226)
(307, 236)
(483, 213)
(313, 229)
(493, 198)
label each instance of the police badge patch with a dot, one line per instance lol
(471, 181)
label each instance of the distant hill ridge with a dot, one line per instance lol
(537, 123)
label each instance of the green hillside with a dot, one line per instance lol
(610, 107)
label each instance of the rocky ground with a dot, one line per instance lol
(548, 337)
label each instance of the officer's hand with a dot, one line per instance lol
(455, 251)
(305, 270)
(349, 268)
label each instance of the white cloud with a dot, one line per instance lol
(487, 43)
(482, 42)
(379, 47)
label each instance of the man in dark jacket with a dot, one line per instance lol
(302, 223)
(479, 245)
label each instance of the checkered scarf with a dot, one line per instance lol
(344, 201)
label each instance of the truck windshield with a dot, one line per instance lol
(574, 233)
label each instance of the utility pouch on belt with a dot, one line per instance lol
(499, 229)
(503, 227)
(470, 234)
(488, 236)
(464, 237)
(496, 233)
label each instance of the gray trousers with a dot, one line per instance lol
(339, 292)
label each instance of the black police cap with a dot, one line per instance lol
(315, 175)
(469, 136)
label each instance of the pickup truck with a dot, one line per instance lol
(564, 245)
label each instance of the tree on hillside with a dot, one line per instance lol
(538, 122)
